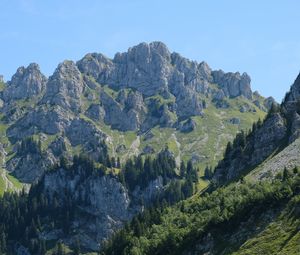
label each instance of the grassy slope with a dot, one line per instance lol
(281, 236)
(13, 185)
(207, 142)
(212, 133)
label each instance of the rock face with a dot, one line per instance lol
(233, 84)
(144, 67)
(94, 65)
(65, 87)
(151, 69)
(81, 132)
(30, 167)
(96, 112)
(105, 204)
(292, 98)
(41, 120)
(126, 112)
(26, 83)
(267, 138)
(105, 209)
(295, 128)
(294, 94)
(268, 102)
(287, 158)
(59, 147)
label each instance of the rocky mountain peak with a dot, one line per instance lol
(152, 69)
(144, 67)
(65, 86)
(145, 52)
(233, 84)
(294, 94)
(140, 90)
(25, 83)
(94, 64)
(205, 71)
(161, 48)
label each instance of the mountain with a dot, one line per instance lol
(104, 140)
(137, 102)
(251, 206)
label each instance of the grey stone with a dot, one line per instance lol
(151, 69)
(235, 121)
(26, 83)
(295, 128)
(107, 203)
(124, 115)
(94, 64)
(65, 87)
(81, 131)
(59, 146)
(96, 112)
(233, 84)
(47, 120)
(30, 168)
(268, 102)
(187, 126)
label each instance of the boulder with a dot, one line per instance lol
(187, 126)
(235, 121)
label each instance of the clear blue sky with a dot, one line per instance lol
(260, 37)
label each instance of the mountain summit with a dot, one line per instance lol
(137, 102)
(101, 141)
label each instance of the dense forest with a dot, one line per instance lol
(177, 229)
(31, 213)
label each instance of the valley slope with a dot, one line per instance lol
(251, 206)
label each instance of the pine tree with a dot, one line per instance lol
(295, 170)
(208, 173)
(229, 149)
(77, 247)
(3, 242)
(182, 169)
(118, 163)
(285, 175)
(113, 162)
(108, 162)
